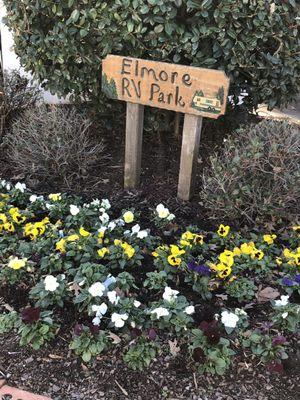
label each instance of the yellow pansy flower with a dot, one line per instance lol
(128, 250)
(102, 252)
(287, 253)
(247, 248)
(227, 258)
(296, 228)
(176, 251)
(16, 215)
(55, 196)
(269, 238)
(257, 254)
(223, 230)
(17, 263)
(3, 218)
(223, 270)
(173, 260)
(236, 252)
(61, 245)
(72, 238)
(128, 217)
(9, 227)
(117, 242)
(278, 260)
(84, 232)
(198, 239)
(187, 236)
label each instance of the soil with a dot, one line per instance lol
(53, 371)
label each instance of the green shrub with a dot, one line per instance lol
(256, 175)
(255, 42)
(54, 146)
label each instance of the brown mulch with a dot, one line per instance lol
(55, 372)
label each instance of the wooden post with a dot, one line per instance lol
(189, 153)
(133, 145)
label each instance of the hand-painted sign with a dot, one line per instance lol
(189, 90)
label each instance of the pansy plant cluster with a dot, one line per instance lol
(137, 286)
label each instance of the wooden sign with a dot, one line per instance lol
(189, 90)
(196, 92)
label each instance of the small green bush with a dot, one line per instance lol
(55, 146)
(256, 175)
(255, 42)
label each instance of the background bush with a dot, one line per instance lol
(256, 175)
(255, 42)
(55, 146)
(19, 95)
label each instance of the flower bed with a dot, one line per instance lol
(103, 280)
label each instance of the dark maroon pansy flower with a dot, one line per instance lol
(198, 355)
(94, 329)
(152, 334)
(275, 366)
(78, 329)
(278, 340)
(211, 331)
(135, 333)
(30, 315)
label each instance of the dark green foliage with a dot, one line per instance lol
(255, 42)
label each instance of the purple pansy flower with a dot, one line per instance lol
(287, 281)
(297, 279)
(201, 269)
(278, 340)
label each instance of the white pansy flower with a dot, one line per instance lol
(137, 303)
(284, 315)
(95, 202)
(20, 186)
(105, 204)
(104, 218)
(162, 211)
(33, 198)
(135, 229)
(240, 311)
(82, 282)
(170, 217)
(132, 324)
(119, 319)
(97, 289)
(284, 300)
(112, 225)
(170, 294)
(228, 319)
(142, 234)
(51, 283)
(99, 310)
(109, 281)
(189, 310)
(74, 210)
(8, 186)
(160, 312)
(49, 206)
(113, 297)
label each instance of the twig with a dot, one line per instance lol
(122, 389)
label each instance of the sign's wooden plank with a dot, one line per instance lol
(185, 89)
(133, 147)
(189, 153)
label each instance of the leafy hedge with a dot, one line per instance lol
(255, 42)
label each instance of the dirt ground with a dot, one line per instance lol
(53, 371)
